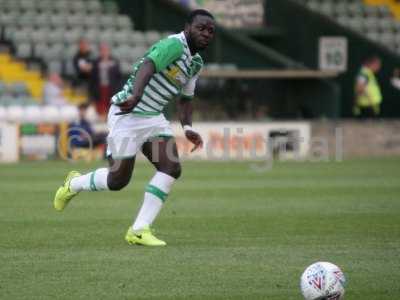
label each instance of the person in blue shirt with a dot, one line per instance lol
(81, 133)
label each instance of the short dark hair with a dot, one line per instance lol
(371, 59)
(198, 12)
(83, 105)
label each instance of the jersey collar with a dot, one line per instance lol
(185, 45)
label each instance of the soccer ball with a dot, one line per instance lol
(322, 281)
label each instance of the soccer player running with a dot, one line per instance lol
(169, 69)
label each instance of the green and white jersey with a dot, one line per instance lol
(176, 75)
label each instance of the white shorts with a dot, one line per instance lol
(127, 133)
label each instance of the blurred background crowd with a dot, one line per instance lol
(81, 51)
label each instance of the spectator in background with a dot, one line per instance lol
(395, 80)
(83, 64)
(105, 81)
(53, 91)
(368, 96)
(81, 133)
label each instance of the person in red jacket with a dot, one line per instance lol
(105, 80)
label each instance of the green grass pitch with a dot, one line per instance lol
(232, 232)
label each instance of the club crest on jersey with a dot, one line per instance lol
(176, 76)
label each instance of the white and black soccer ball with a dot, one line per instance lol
(322, 281)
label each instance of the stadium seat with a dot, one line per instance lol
(76, 20)
(27, 5)
(166, 34)
(356, 9)
(356, 24)
(91, 35)
(24, 50)
(124, 23)
(371, 11)
(3, 88)
(94, 6)
(18, 89)
(327, 8)
(26, 19)
(137, 39)
(110, 7)
(121, 37)
(17, 101)
(341, 9)
(62, 6)
(8, 32)
(39, 49)
(151, 37)
(313, 4)
(15, 112)
(396, 27)
(53, 52)
(386, 25)
(69, 113)
(238, 13)
(107, 21)
(70, 51)
(77, 6)
(123, 52)
(376, 21)
(56, 36)
(33, 114)
(72, 36)
(58, 20)
(68, 68)
(126, 66)
(50, 114)
(373, 35)
(21, 36)
(42, 19)
(6, 100)
(388, 39)
(106, 36)
(44, 6)
(55, 66)
(136, 53)
(384, 11)
(28, 100)
(9, 6)
(91, 22)
(39, 36)
(344, 20)
(50, 30)
(8, 19)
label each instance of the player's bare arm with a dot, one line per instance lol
(143, 77)
(185, 111)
